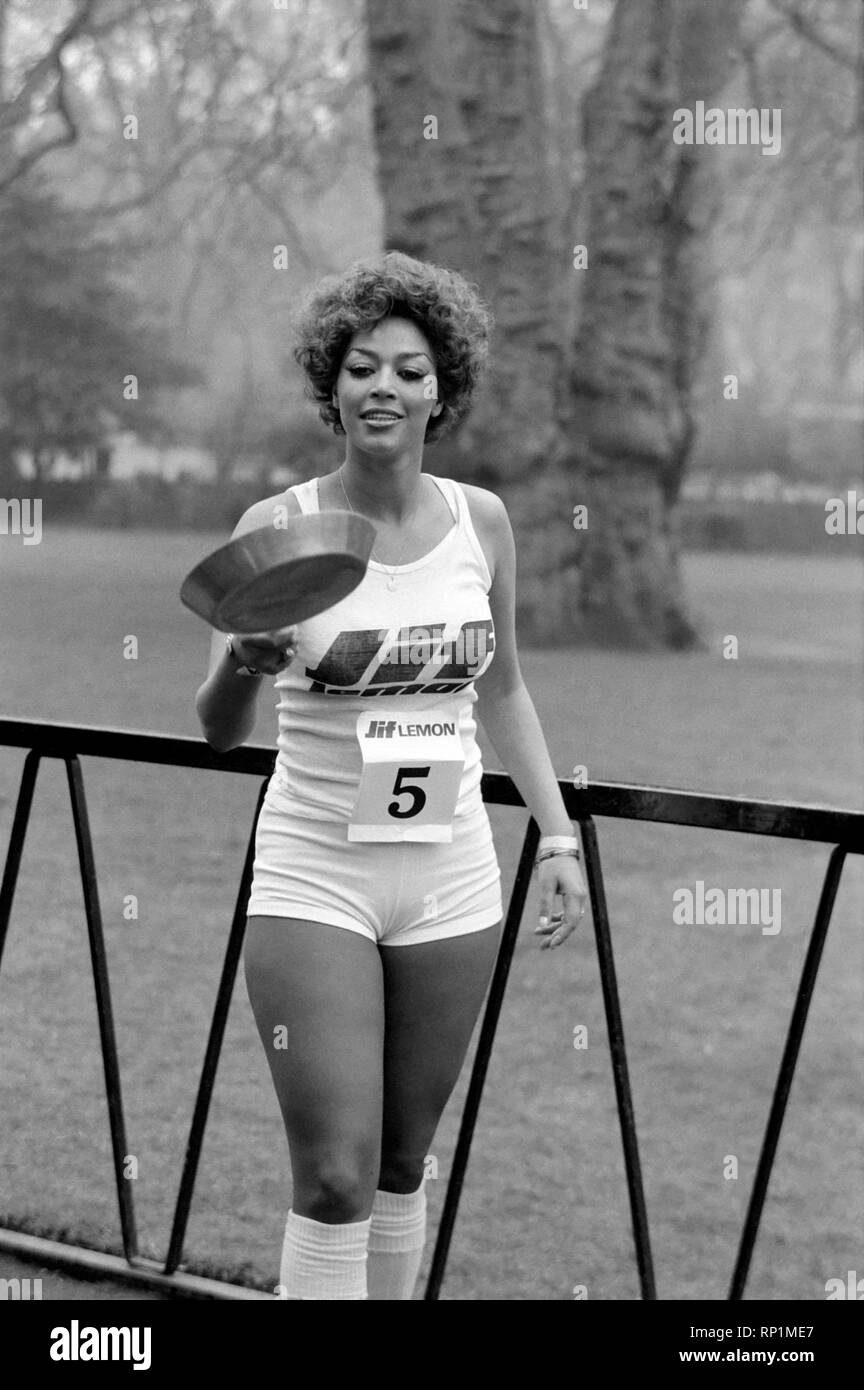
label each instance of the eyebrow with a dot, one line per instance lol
(400, 356)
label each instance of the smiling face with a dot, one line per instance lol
(386, 389)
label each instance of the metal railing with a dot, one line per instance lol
(843, 830)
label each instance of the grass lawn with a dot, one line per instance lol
(705, 1008)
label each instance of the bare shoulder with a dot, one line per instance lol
(492, 524)
(265, 512)
(487, 504)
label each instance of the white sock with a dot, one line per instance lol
(320, 1260)
(396, 1240)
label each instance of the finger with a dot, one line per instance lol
(558, 932)
(271, 637)
(546, 899)
(273, 664)
(566, 928)
(549, 923)
(575, 903)
(266, 654)
(263, 641)
(560, 935)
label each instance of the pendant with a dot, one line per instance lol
(391, 581)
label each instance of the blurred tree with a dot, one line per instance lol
(252, 130)
(786, 249)
(210, 133)
(70, 333)
(628, 413)
(207, 133)
(463, 133)
(808, 59)
(233, 431)
(39, 95)
(466, 171)
(221, 92)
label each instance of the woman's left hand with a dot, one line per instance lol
(560, 875)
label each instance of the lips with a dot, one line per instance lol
(380, 415)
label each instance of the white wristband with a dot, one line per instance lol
(558, 842)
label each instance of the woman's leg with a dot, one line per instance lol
(316, 991)
(433, 992)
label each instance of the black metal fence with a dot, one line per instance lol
(843, 830)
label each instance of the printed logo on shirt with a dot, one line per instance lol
(394, 728)
(406, 661)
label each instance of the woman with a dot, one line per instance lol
(375, 912)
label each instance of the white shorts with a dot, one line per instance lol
(396, 894)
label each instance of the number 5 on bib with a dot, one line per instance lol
(412, 770)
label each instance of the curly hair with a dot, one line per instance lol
(445, 306)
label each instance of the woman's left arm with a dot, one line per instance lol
(507, 713)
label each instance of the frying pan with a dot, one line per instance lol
(276, 576)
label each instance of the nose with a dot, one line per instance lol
(384, 383)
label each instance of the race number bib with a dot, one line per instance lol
(412, 769)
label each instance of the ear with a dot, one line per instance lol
(437, 408)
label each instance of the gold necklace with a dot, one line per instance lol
(391, 576)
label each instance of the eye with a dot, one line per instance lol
(360, 369)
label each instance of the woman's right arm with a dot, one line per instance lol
(226, 702)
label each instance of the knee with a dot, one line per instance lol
(334, 1192)
(401, 1172)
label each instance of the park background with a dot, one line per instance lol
(270, 144)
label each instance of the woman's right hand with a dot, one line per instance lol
(268, 652)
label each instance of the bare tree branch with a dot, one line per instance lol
(14, 112)
(803, 26)
(19, 105)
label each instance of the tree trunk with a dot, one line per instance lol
(7, 142)
(480, 198)
(600, 415)
(628, 417)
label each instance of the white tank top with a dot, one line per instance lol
(416, 646)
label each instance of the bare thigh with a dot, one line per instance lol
(317, 995)
(432, 997)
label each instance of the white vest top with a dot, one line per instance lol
(417, 646)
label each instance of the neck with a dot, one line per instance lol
(387, 490)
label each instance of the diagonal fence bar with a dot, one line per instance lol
(788, 1062)
(98, 960)
(20, 821)
(488, 1028)
(107, 1036)
(840, 828)
(212, 1053)
(615, 1029)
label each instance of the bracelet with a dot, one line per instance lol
(555, 854)
(551, 845)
